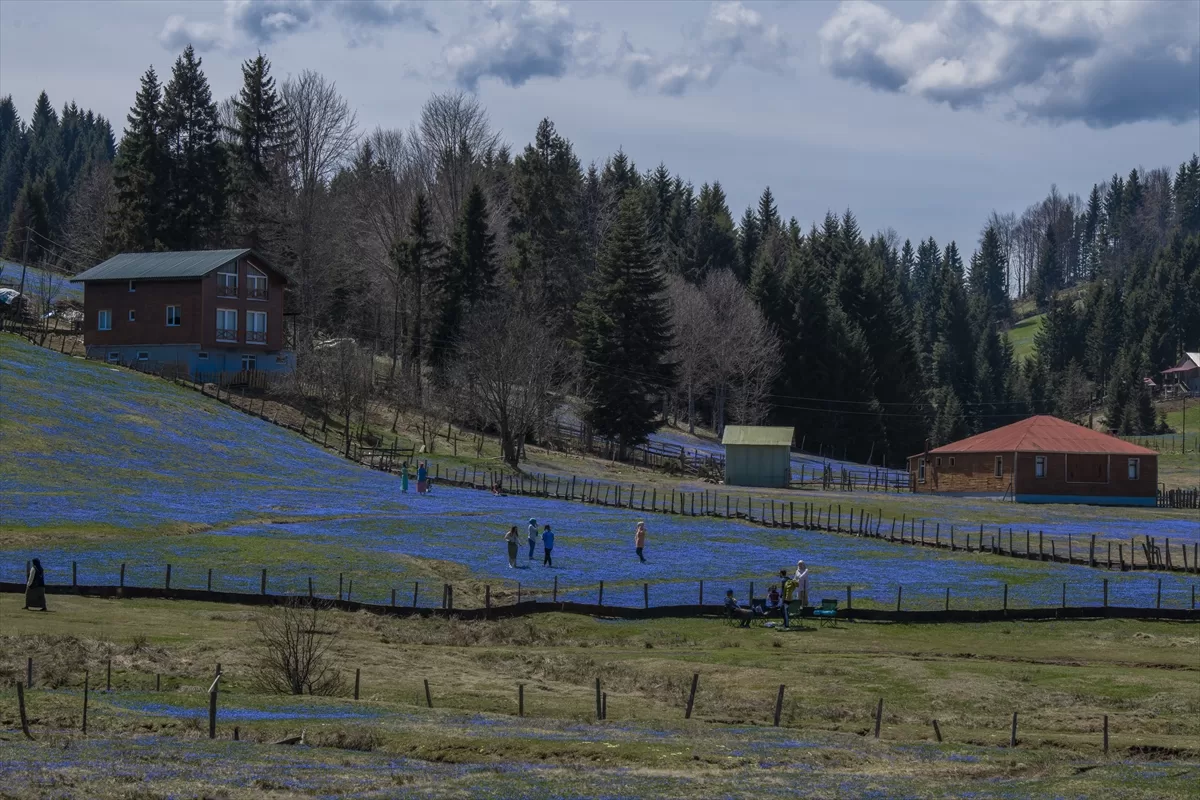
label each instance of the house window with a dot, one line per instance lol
(173, 316)
(132, 315)
(999, 466)
(227, 281)
(114, 357)
(249, 362)
(256, 327)
(1135, 465)
(104, 320)
(1039, 466)
(921, 470)
(256, 283)
(133, 286)
(202, 356)
(143, 355)
(226, 325)
(952, 461)
(937, 462)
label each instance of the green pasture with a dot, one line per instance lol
(1021, 334)
(1061, 679)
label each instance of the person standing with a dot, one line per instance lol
(532, 535)
(789, 595)
(801, 580)
(422, 478)
(547, 545)
(35, 587)
(404, 478)
(639, 540)
(512, 538)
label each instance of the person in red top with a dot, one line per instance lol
(639, 540)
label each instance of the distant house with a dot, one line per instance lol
(758, 456)
(204, 310)
(1185, 374)
(1041, 459)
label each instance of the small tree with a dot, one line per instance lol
(295, 648)
(509, 369)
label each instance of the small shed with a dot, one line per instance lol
(758, 456)
(1186, 374)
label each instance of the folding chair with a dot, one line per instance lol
(826, 613)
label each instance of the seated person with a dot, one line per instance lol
(736, 611)
(773, 598)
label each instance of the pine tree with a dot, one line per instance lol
(195, 186)
(987, 277)
(749, 240)
(30, 219)
(768, 214)
(139, 174)
(1047, 277)
(714, 242)
(261, 138)
(469, 273)
(14, 142)
(624, 334)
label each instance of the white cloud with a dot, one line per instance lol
(1103, 62)
(514, 42)
(261, 22)
(732, 34)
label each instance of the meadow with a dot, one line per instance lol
(104, 467)
(1061, 678)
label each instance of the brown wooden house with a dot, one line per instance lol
(206, 311)
(1041, 459)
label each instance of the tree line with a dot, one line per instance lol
(505, 288)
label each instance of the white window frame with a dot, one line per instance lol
(221, 318)
(143, 355)
(223, 282)
(920, 470)
(1134, 469)
(132, 315)
(114, 357)
(133, 286)
(255, 276)
(998, 470)
(1039, 466)
(253, 360)
(202, 355)
(104, 319)
(178, 316)
(256, 315)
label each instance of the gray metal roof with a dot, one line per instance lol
(165, 266)
(758, 435)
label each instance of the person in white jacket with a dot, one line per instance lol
(801, 581)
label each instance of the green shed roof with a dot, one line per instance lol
(165, 266)
(758, 435)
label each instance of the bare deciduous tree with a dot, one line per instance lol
(691, 323)
(90, 214)
(510, 367)
(455, 138)
(746, 355)
(295, 650)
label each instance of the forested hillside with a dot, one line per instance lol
(469, 267)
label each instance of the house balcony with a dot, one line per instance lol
(227, 291)
(256, 337)
(254, 293)
(227, 335)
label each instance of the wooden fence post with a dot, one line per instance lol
(646, 594)
(210, 580)
(262, 584)
(691, 696)
(428, 697)
(849, 597)
(600, 602)
(554, 597)
(599, 709)
(74, 574)
(1106, 734)
(108, 676)
(122, 575)
(899, 594)
(21, 707)
(1012, 738)
(29, 672)
(937, 731)
(878, 717)
(85, 701)
(1006, 597)
(416, 588)
(1106, 592)
(778, 705)
(357, 677)
(701, 592)
(520, 699)
(168, 582)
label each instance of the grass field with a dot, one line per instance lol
(1021, 335)
(1061, 678)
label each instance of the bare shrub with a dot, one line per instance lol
(295, 650)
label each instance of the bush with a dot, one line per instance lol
(295, 643)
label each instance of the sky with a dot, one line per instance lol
(919, 116)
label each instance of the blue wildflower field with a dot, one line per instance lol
(105, 467)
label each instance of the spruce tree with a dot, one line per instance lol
(714, 241)
(139, 174)
(468, 275)
(749, 240)
(988, 277)
(30, 219)
(1047, 277)
(261, 136)
(625, 334)
(768, 213)
(195, 188)
(418, 257)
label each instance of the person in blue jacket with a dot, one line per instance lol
(548, 544)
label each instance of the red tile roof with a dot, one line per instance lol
(1043, 434)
